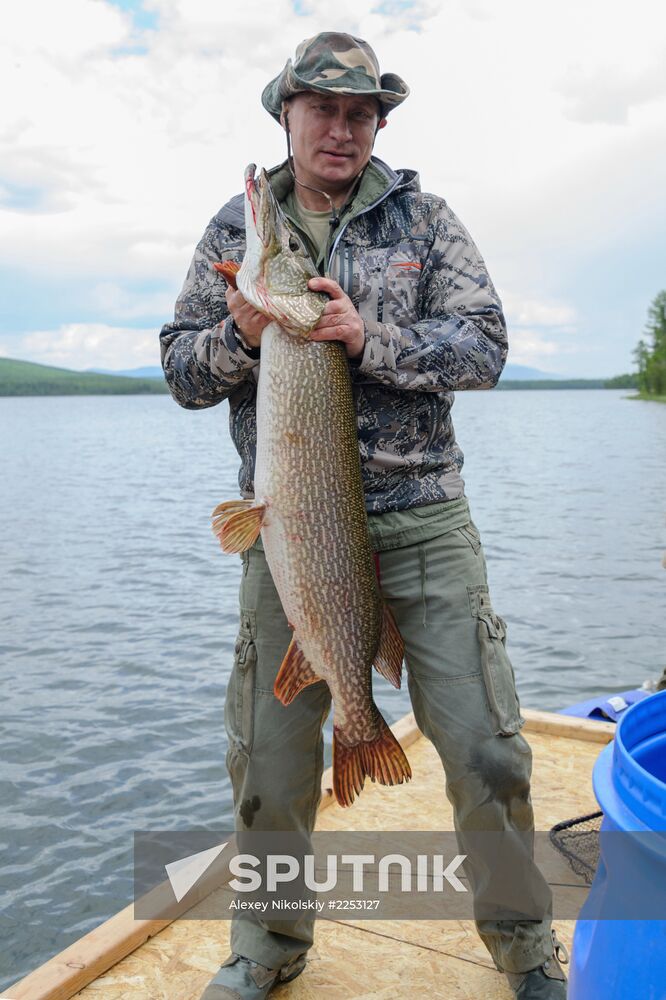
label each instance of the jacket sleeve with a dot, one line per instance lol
(203, 355)
(459, 340)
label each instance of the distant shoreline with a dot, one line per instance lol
(648, 399)
(25, 378)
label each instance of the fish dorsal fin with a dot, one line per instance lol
(237, 523)
(388, 658)
(294, 674)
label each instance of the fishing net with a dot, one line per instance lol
(578, 840)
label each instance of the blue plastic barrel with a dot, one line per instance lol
(619, 945)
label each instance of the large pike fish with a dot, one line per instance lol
(309, 504)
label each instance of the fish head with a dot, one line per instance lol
(277, 266)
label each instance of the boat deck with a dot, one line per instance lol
(126, 959)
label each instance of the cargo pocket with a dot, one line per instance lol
(498, 675)
(239, 703)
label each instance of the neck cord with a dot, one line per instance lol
(335, 217)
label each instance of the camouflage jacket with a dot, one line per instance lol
(433, 324)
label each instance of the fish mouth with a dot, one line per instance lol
(262, 204)
(251, 190)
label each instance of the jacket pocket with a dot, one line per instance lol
(498, 675)
(239, 703)
(388, 283)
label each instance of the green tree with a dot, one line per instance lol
(641, 356)
(650, 354)
(629, 381)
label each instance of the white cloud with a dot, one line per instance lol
(113, 300)
(63, 33)
(85, 345)
(114, 157)
(524, 311)
(540, 332)
(530, 347)
(605, 94)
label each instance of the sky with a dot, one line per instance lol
(126, 125)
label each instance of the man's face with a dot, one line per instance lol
(332, 137)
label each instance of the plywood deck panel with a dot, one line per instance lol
(351, 960)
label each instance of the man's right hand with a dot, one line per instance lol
(249, 320)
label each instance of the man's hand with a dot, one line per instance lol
(339, 320)
(249, 320)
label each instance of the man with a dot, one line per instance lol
(412, 302)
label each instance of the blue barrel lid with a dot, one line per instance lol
(642, 792)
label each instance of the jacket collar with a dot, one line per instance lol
(377, 181)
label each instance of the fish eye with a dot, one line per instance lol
(294, 245)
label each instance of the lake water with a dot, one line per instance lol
(118, 613)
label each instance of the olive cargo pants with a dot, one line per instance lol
(462, 689)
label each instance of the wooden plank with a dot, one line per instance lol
(354, 963)
(558, 793)
(568, 726)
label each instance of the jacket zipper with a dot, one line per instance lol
(363, 211)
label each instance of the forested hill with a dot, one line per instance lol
(24, 378)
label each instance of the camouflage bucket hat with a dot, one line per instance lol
(334, 63)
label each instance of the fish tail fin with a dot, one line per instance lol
(391, 649)
(237, 523)
(381, 759)
(294, 674)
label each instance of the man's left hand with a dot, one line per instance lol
(339, 320)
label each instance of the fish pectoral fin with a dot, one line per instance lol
(228, 269)
(237, 523)
(381, 759)
(294, 674)
(391, 649)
